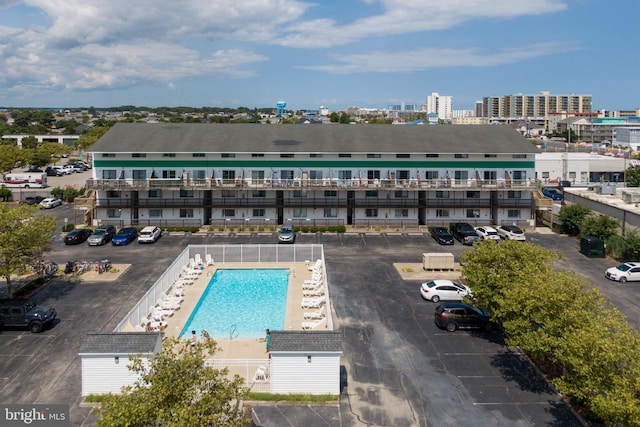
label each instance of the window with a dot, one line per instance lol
(299, 212)
(168, 154)
(473, 213)
(519, 156)
(315, 155)
(315, 175)
(373, 174)
(490, 175)
(199, 174)
(186, 192)
(442, 194)
(228, 174)
(513, 213)
(169, 174)
(403, 174)
(461, 156)
(473, 194)
(373, 156)
(460, 175)
(113, 213)
(139, 174)
(330, 193)
(138, 154)
(431, 174)
(155, 213)
(344, 174)
(198, 154)
(286, 155)
(330, 212)
(431, 155)
(545, 175)
(490, 155)
(514, 194)
(257, 175)
(401, 194)
(257, 154)
(112, 194)
(371, 193)
(442, 213)
(228, 193)
(227, 155)
(228, 213)
(572, 175)
(286, 174)
(259, 193)
(108, 155)
(186, 213)
(371, 213)
(300, 193)
(258, 213)
(403, 156)
(344, 155)
(155, 194)
(402, 213)
(109, 174)
(519, 175)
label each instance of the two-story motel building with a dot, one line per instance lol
(263, 175)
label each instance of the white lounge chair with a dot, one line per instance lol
(313, 315)
(168, 298)
(167, 305)
(208, 259)
(312, 285)
(316, 265)
(159, 313)
(313, 292)
(261, 374)
(312, 302)
(198, 260)
(312, 324)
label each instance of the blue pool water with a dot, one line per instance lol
(241, 302)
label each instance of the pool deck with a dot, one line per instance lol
(245, 348)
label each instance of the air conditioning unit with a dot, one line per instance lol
(631, 196)
(608, 190)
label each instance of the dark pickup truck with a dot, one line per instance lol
(23, 313)
(464, 232)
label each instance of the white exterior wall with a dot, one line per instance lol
(101, 374)
(292, 373)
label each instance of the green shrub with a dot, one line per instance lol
(68, 227)
(616, 247)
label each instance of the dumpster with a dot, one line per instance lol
(592, 247)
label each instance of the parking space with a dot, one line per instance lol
(399, 368)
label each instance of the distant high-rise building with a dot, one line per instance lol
(534, 106)
(441, 105)
(479, 109)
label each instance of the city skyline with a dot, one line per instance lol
(335, 54)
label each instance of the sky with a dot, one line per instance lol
(331, 53)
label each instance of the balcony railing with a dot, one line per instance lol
(298, 183)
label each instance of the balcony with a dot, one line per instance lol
(298, 183)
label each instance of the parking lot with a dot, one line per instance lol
(399, 368)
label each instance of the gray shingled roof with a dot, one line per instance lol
(119, 343)
(306, 341)
(257, 138)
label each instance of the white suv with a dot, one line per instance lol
(149, 234)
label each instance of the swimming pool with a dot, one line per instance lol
(241, 303)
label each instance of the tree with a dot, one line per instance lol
(29, 142)
(345, 119)
(600, 226)
(573, 216)
(177, 388)
(90, 137)
(334, 117)
(24, 238)
(632, 176)
(632, 244)
(11, 156)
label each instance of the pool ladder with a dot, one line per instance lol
(232, 332)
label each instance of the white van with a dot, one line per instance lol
(24, 180)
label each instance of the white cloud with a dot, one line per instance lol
(426, 58)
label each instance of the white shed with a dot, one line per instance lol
(305, 362)
(105, 359)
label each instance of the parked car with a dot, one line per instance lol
(287, 234)
(511, 232)
(464, 232)
(436, 290)
(149, 234)
(22, 313)
(124, 236)
(102, 235)
(38, 170)
(456, 315)
(50, 202)
(64, 170)
(51, 171)
(32, 200)
(77, 167)
(552, 193)
(487, 233)
(77, 236)
(627, 272)
(441, 235)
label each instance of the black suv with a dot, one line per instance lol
(464, 232)
(455, 315)
(23, 313)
